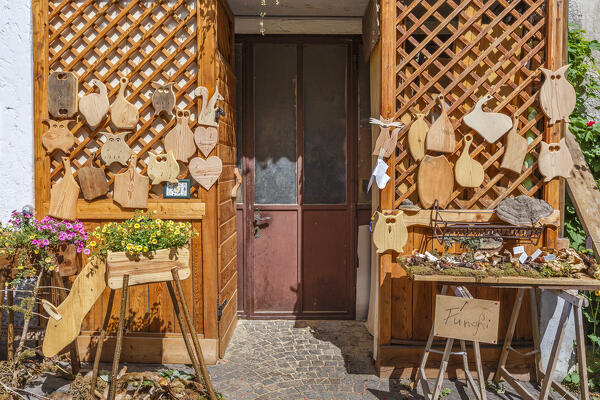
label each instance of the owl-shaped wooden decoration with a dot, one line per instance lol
(115, 149)
(557, 95)
(162, 171)
(555, 160)
(163, 99)
(58, 136)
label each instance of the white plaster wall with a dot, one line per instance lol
(16, 106)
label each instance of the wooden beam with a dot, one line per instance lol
(584, 193)
(423, 217)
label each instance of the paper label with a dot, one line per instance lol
(549, 257)
(536, 254)
(518, 250)
(523, 257)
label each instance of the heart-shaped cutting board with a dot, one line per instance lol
(206, 138)
(206, 172)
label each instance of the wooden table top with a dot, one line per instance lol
(514, 281)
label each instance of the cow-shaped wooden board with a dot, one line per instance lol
(58, 136)
(115, 149)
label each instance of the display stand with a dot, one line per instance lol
(187, 327)
(479, 391)
(565, 288)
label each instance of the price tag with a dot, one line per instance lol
(518, 250)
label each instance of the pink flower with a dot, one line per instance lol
(591, 123)
(46, 242)
(86, 252)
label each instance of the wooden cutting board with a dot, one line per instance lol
(95, 106)
(416, 137)
(206, 172)
(468, 172)
(557, 95)
(115, 149)
(58, 136)
(123, 114)
(92, 180)
(435, 180)
(206, 138)
(441, 137)
(490, 125)
(515, 150)
(163, 99)
(162, 168)
(62, 94)
(555, 160)
(63, 196)
(87, 288)
(389, 232)
(180, 140)
(131, 188)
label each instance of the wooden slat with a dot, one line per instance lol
(515, 281)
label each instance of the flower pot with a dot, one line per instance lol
(146, 268)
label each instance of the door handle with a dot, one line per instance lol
(259, 221)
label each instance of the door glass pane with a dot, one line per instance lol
(275, 124)
(324, 164)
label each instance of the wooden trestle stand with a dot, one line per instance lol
(195, 352)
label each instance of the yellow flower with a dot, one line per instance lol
(20, 267)
(154, 241)
(92, 243)
(48, 259)
(157, 233)
(36, 251)
(32, 237)
(597, 292)
(137, 226)
(145, 248)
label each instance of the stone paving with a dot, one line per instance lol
(277, 360)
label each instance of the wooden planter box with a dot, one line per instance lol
(146, 268)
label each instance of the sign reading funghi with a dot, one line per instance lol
(466, 319)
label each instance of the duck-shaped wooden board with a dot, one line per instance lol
(63, 196)
(206, 172)
(435, 181)
(162, 168)
(389, 232)
(555, 160)
(95, 106)
(208, 110)
(557, 95)
(115, 149)
(58, 136)
(92, 180)
(468, 172)
(180, 140)
(131, 188)
(490, 125)
(62, 94)
(416, 137)
(123, 114)
(163, 99)
(441, 137)
(515, 149)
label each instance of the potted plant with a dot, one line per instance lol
(144, 247)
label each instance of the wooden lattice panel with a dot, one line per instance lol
(465, 49)
(146, 41)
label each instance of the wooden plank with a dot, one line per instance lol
(513, 281)
(197, 279)
(424, 217)
(584, 194)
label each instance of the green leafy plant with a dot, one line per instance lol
(144, 233)
(445, 393)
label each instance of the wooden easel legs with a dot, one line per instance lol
(573, 301)
(186, 326)
(421, 379)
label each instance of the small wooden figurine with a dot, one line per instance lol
(163, 99)
(208, 112)
(92, 180)
(58, 136)
(115, 149)
(441, 137)
(515, 149)
(435, 181)
(63, 196)
(555, 160)
(490, 125)
(385, 140)
(468, 172)
(62, 94)
(206, 138)
(95, 106)
(389, 232)
(162, 171)
(206, 172)
(123, 114)
(131, 188)
(557, 95)
(416, 137)
(180, 140)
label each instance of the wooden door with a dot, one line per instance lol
(298, 209)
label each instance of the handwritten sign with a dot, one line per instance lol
(468, 319)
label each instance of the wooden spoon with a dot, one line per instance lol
(63, 196)
(441, 136)
(468, 172)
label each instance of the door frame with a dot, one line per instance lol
(247, 206)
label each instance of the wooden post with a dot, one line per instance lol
(111, 298)
(547, 382)
(509, 334)
(115, 366)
